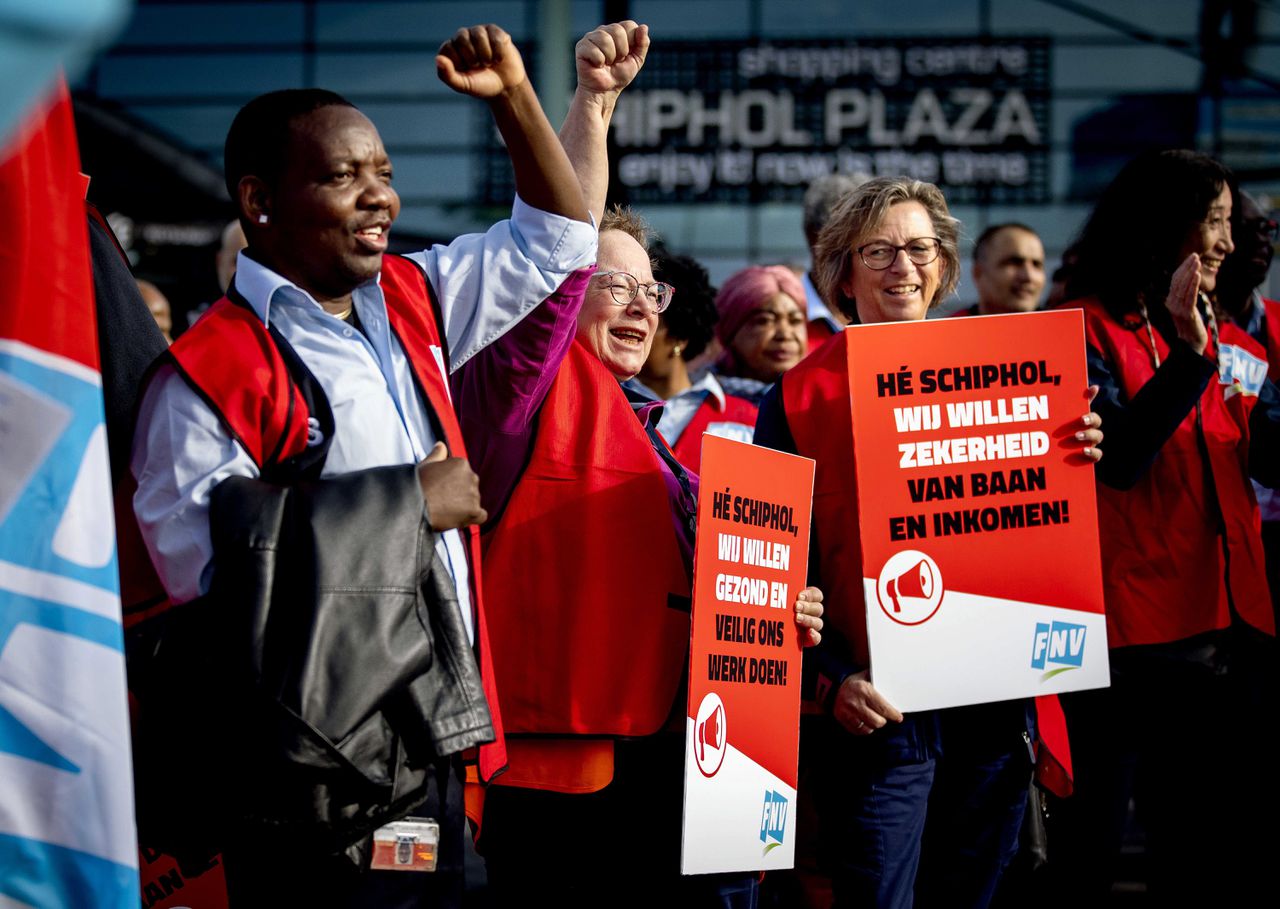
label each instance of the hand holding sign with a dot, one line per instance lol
(860, 708)
(809, 616)
(1091, 435)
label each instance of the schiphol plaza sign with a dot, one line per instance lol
(756, 121)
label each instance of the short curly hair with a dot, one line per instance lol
(691, 318)
(627, 220)
(858, 215)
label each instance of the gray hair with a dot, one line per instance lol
(821, 197)
(858, 215)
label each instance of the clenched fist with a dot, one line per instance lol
(451, 490)
(609, 57)
(481, 61)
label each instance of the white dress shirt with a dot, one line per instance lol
(485, 284)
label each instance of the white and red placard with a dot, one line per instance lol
(977, 510)
(743, 719)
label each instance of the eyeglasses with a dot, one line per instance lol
(879, 256)
(624, 288)
(1263, 227)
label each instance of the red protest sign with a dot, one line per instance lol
(977, 512)
(743, 718)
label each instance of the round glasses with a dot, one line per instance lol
(624, 288)
(880, 255)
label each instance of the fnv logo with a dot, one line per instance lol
(773, 820)
(1240, 371)
(1060, 644)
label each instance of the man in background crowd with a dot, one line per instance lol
(158, 306)
(1008, 270)
(1240, 297)
(819, 199)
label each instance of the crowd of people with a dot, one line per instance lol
(423, 527)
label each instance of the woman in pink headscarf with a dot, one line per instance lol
(761, 328)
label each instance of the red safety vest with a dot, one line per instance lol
(815, 397)
(230, 359)
(1165, 573)
(819, 332)
(581, 572)
(736, 410)
(1271, 326)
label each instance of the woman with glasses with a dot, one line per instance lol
(587, 582)
(889, 254)
(1190, 417)
(588, 560)
(694, 404)
(762, 329)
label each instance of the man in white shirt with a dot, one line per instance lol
(313, 185)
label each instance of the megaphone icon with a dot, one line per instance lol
(710, 732)
(916, 581)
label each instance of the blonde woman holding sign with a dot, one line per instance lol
(889, 253)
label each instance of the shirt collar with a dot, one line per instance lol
(1257, 309)
(646, 405)
(816, 310)
(705, 385)
(258, 285)
(709, 385)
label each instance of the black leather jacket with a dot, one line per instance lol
(310, 693)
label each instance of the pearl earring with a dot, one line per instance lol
(676, 350)
(262, 219)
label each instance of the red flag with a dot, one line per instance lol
(44, 259)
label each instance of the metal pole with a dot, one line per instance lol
(555, 58)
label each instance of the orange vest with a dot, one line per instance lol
(586, 586)
(1165, 573)
(232, 362)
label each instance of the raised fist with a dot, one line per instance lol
(609, 57)
(481, 61)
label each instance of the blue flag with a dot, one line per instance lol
(67, 835)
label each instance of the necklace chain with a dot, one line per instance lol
(1210, 318)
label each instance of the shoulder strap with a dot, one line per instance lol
(253, 379)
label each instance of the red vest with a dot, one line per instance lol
(1165, 574)
(1271, 325)
(819, 332)
(581, 567)
(230, 359)
(815, 396)
(688, 448)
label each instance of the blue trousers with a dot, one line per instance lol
(954, 780)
